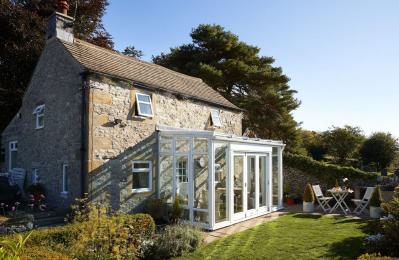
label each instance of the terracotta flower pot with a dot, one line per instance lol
(290, 201)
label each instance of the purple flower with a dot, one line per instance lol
(13, 208)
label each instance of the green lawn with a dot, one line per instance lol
(295, 236)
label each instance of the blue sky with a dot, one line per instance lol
(342, 56)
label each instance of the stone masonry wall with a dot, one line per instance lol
(56, 83)
(113, 147)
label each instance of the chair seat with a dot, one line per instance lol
(325, 198)
(358, 200)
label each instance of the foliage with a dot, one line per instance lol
(315, 237)
(326, 173)
(22, 27)
(177, 211)
(379, 148)
(237, 71)
(374, 257)
(156, 208)
(131, 51)
(342, 143)
(308, 195)
(392, 207)
(11, 249)
(37, 188)
(103, 236)
(176, 240)
(314, 144)
(376, 198)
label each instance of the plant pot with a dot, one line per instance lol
(290, 201)
(308, 207)
(375, 212)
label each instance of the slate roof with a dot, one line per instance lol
(101, 60)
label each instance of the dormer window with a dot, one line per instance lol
(215, 117)
(39, 114)
(144, 105)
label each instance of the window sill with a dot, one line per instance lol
(64, 194)
(142, 190)
(38, 128)
(143, 117)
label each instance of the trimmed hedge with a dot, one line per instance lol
(327, 173)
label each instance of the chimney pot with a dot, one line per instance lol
(63, 6)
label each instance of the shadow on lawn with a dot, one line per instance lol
(349, 248)
(311, 216)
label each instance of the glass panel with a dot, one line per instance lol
(166, 144)
(145, 109)
(275, 179)
(201, 182)
(200, 216)
(238, 183)
(182, 178)
(182, 145)
(166, 177)
(221, 206)
(142, 97)
(14, 159)
(262, 181)
(251, 182)
(140, 180)
(141, 165)
(200, 145)
(216, 118)
(40, 121)
(186, 214)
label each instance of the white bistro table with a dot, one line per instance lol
(339, 194)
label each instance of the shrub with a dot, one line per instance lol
(374, 257)
(376, 198)
(11, 249)
(157, 209)
(392, 207)
(324, 172)
(308, 195)
(175, 240)
(176, 211)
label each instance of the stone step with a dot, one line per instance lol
(49, 221)
(44, 214)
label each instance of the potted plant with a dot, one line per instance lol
(290, 199)
(308, 199)
(375, 203)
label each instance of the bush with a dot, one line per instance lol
(392, 207)
(308, 195)
(176, 211)
(374, 257)
(175, 240)
(157, 209)
(13, 248)
(376, 198)
(324, 172)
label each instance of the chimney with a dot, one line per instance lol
(59, 24)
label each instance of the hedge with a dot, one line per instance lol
(323, 171)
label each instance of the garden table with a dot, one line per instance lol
(339, 195)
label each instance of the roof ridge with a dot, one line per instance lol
(113, 52)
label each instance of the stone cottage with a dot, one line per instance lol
(95, 121)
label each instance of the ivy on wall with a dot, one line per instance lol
(324, 172)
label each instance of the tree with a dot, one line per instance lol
(237, 71)
(314, 144)
(131, 51)
(379, 148)
(22, 26)
(343, 142)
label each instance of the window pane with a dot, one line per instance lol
(216, 118)
(182, 178)
(201, 182)
(166, 144)
(251, 182)
(275, 179)
(140, 180)
(166, 177)
(200, 216)
(200, 145)
(221, 205)
(141, 165)
(145, 109)
(262, 181)
(238, 183)
(40, 121)
(142, 97)
(182, 145)
(14, 159)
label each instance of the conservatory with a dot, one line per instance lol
(219, 179)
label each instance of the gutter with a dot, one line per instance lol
(83, 138)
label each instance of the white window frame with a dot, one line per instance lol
(183, 178)
(39, 113)
(64, 181)
(215, 117)
(139, 170)
(138, 102)
(35, 175)
(12, 147)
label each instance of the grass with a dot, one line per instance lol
(295, 236)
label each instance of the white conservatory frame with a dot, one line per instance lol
(268, 150)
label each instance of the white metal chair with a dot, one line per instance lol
(321, 199)
(361, 204)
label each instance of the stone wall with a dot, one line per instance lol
(117, 136)
(56, 83)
